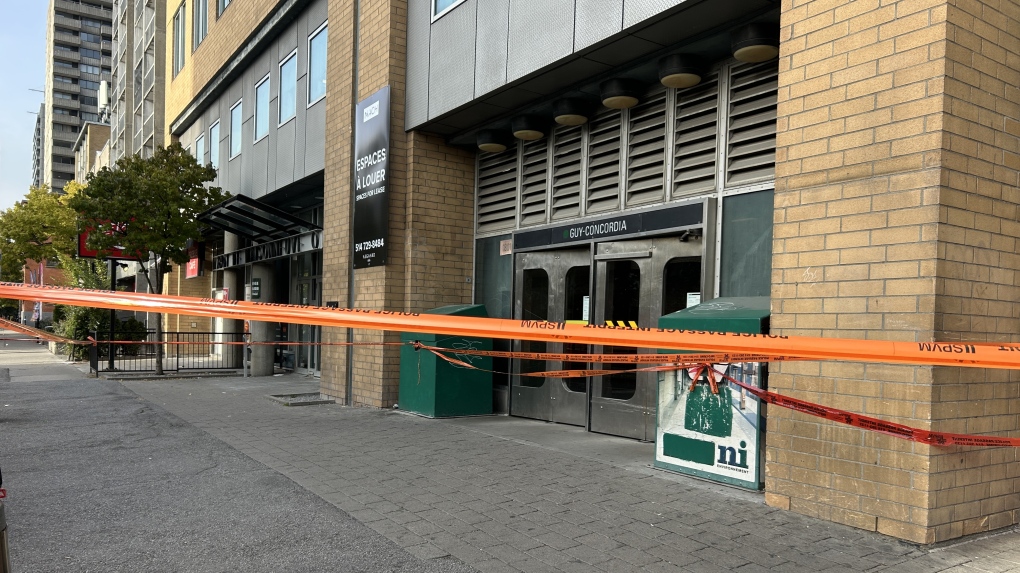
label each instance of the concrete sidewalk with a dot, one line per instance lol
(506, 494)
(100, 480)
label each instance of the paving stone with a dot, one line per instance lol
(446, 489)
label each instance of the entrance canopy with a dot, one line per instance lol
(254, 220)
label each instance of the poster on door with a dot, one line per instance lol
(370, 193)
(714, 436)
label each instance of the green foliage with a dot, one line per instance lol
(40, 227)
(131, 329)
(148, 205)
(78, 322)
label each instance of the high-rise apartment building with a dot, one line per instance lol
(136, 94)
(37, 146)
(79, 44)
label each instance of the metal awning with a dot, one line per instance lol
(254, 220)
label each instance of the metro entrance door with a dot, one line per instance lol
(635, 282)
(550, 286)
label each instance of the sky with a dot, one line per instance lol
(23, 43)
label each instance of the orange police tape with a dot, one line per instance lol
(35, 332)
(722, 345)
(833, 414)
(936, 354)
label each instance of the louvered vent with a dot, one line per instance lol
(497, 191)
(694, 162)
(604, 162)
(566, 174)
(646, 155)
(534, 176)
(751, 137)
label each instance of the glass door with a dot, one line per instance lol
(307, 283)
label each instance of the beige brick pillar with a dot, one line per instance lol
(895, 219)
(431, 190)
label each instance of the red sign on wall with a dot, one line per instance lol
(87, 253)
(196, 261)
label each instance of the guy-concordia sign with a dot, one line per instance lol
(371, 197)
(976, 355)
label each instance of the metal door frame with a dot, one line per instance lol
(556, 274)
(651, 254)
(699, 241)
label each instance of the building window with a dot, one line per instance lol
(179, 40)
(440, 7)
(200, 20)
(200, 149)
(317, 65)
(214, 145)
(235, 130)
(221, 5)
(288, 87)
(262, 108)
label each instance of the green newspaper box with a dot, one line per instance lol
(715, 436)
(433, 387)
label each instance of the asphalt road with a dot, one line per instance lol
(100, 480)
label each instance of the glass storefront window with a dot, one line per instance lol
(746, 258)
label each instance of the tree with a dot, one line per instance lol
(40, 227)
(148, 208)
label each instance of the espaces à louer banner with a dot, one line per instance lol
(377, 176)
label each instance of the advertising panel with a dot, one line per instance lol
(711, 435)
(707, 424)
(371, 200)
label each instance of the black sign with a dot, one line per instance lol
(371, 200)
(311, 241)
(627, 224)
(256, 288)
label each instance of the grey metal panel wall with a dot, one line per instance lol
(301, 122)
(541, 32)
(315, 15)
(596, 20)
(246, 158)
(452, 59)
(418, 31)
(315, 139)
(233, 172)
(635, 11)
(284, 172)
(491, 45)
(256, 167)
(289, 152)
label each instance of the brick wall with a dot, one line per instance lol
(977, 268)
(175, 283)
(879, 235)
(431, 190)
